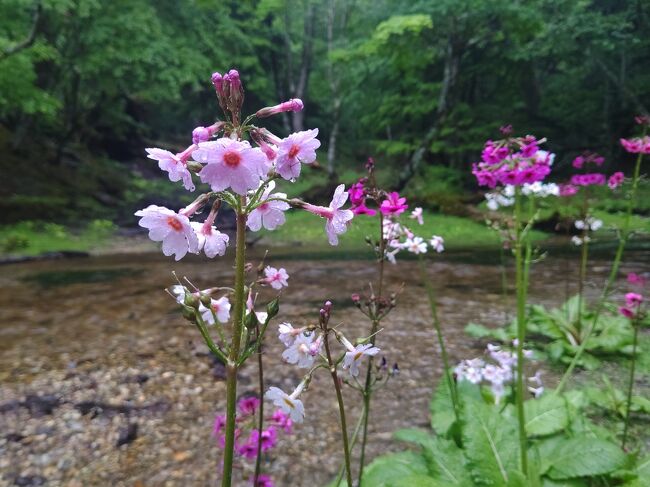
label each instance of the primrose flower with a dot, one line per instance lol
(393, 204)
(289, 404)
(633, 299)
(276, 278)
(637, 145)
(300, 352)
(231, 163)
(415, 245)
(636, 279)
(337, 218)
(210, 240)
(615, 180)
(282, 420)
(354, 355)
(270, 213)
(219, 307)
(293, 105)
(437, 243)
(174, 164)
(262, 481)
(287, 333)
(171, 228)
(297, 148)
(628, 313)
(417, 215)
(219, 424)
(248, 405)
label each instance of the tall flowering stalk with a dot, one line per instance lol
(639, 146)
(241, 175)
(635, 312)
(516, 161)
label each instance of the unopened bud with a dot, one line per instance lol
(189, 314)
(272, 308)
(356, 298)
(293, 105)
(191, 300)
(395, 370)
(194, 166)
(200, 134)
(206, 300)
(250, 321)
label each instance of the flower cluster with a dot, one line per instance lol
(248, 438)
(238, 173)
(633, 308)
(506, 196)
(512, 161)
(496, 373)
(637, 145)
(587, 179)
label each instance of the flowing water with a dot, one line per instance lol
(94, 353)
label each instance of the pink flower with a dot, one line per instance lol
(337, 218)
(636, 279)
(568, 190)
(174, 164)
(417, 215)
(276, 278)
(211, 240)
(393, 204)
(633, 299)
(297, 148)
(628, 313)
(269, 214)
(219, 424)
(220, 309)
(263, 481)
(437, 243)
(615, 180)
(282, 420)
(231, 163)
(248, 405)
(293, 105)
(171, 228)
(637, 145)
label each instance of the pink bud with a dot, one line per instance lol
(200, 134)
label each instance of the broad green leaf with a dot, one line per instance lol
(546, 415)
(385, 470)
(642, 471)
(490, 442)
(418, 481)
(583, 457)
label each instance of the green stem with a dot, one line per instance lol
(339, 398)
(353, 441)
(630, 384)
(231, 366)
(583, 259)
(622, 242)
(521, 331)
(367, 389)
(260, 424)
(453, 393)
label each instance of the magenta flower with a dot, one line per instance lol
(628, 313)
(219, 424)
(590, 179)
(276, 278)
(175, 166)
(263, 481)
(615, 180)
(231, 163)
(393, 204)
(637, 145)
(636, 279)
(171, 228)
(269, 214)
(337, 219)
(282, 420)
(568, 190)
(633, 299)
(293, 105)
(297, 148)
(248, 405)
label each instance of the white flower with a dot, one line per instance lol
(173, 229)
(536, 391)
(220, 307)
(300, 352)
(276, 278)
(287, 333)
(415, 245)
(437, 243)
(269, 214)
(595, 224)
(493, 374)
(416, 214)
(288, 403)
(579, 224)
(354, 355)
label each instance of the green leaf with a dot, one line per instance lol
(585, 457)
(642, 471)
(480, 331)
(418, 481)
(386, 470)
(490, 444)
(546, 415)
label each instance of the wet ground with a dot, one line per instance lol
(93, 353)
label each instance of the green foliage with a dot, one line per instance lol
(546, 415)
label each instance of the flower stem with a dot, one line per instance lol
(453, 393)
(630, 384)
(353, 441)
(231, 366)
(339, 398)
(521, 330)
(622, 242)
(260, 424)
(367, 389)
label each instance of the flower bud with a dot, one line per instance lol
(206, 300)
(194, 166)
(356, 299)
(200, 134)
(189, 314)
(251, 321)
(293, 105)
(272, 308)
(191, 301)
